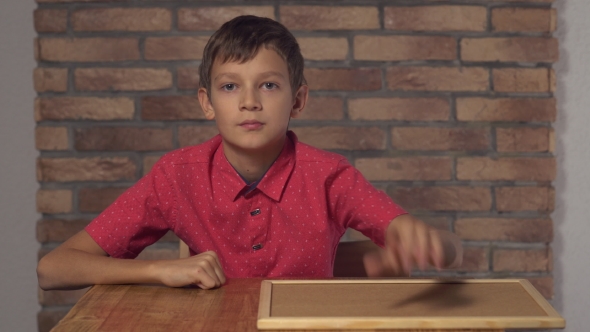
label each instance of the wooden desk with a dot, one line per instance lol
(233, 307)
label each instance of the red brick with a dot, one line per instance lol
(58, 230)
(348, 79)
(54, 201)
(69, 1)
(51, 79)
(453, 198)
(431, 138)
(47, 318)
(504, 229)
(187, 78)
(51, 138)
(195, 134)
(436, 222)
(314, 48)
(436, 18)
(323, 108)
(122, 139)
(552, 140)
(400, 109)
(60, 297)
(171, 108)
(506, 169)
(85, 169)
(529, 1)
(522, 260)
(475, 259)
(122, 19)
(175, 48)
(211, 18)
(398, 48)
(97, 199)
(148, 163)
(544, 285)
(405, 168)
(437, 78)
(122, 79)
(512, 49)
(509, 199)
(506, 109)
(329, 17)
(513, 19)
(344, 138)
(87, 49)
(523, 139)
(84, 108)
(51, 20)
(522, 80)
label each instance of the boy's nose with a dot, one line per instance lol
(250, 100)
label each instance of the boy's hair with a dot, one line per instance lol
(240, 39)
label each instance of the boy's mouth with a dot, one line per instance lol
(251, 124)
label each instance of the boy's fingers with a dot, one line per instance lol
(380, 264)
(216, 264)
(396, 252)
(436, 251)
(419, 245)
(373, 264)
(393, 261)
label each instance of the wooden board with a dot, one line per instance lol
(403, 304)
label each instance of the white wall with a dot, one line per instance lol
(572, 213)
(18, 247)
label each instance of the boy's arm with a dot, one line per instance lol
(80, 262)
(409, 243)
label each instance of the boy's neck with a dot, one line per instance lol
(252, 165)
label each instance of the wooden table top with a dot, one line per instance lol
(233, 307)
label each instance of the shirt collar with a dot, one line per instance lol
(273, 182)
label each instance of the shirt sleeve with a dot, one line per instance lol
(138, 218)
(359, 205)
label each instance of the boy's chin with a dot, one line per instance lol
(258, 144)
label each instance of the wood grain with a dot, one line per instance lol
(405, 304)
(233, 307)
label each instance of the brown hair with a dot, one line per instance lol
(240, 39)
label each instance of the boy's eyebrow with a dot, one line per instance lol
(262, 75)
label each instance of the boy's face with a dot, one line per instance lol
(252, 102)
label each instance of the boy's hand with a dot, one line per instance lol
(411, 243)
(203, 270)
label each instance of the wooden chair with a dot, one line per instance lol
(348, 262)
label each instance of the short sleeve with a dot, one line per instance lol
(138, 218)
(359, 205)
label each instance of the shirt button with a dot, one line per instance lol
(257, 247)
(255, 212)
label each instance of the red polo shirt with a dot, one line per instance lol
(289, 225)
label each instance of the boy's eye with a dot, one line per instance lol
(229, 87)
(269, 85)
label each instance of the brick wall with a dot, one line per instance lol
(446, 105)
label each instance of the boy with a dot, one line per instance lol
(252, 201)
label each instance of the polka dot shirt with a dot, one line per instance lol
(289, 225)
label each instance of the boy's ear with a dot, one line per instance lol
(299, 101)
(206, 105)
